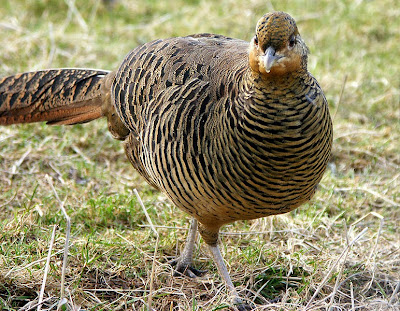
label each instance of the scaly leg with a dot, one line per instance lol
(184, 263)
(223, 271)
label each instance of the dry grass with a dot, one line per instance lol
(339, 252)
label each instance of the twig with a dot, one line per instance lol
(153, 270)
(13, 270)
(335, 289)
(359, 132)
(374, 193)
(53, 46)
(72, 10)
(237, 233)
(352, 296)
(9, 201)
(257, 294)
(132, 244)
(145, 212)
(164, 227)
(396, 290)
(334, 265)
(373, 251)
(115, 290)
(378, 195)
(18, 163)
(79, 151)
(150, 297)
(59, 175)
(46, 269)
(67, 237)
(9, 136)
(340, 97)
(33, 306)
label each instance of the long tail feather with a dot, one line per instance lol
(58, 96)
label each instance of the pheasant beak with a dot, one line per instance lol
(270, 58)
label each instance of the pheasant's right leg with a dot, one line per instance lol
(210, 236)
(223, 271)
(184, 263)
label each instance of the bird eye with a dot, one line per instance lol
(292, 41)
(255, 40)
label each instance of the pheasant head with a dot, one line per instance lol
(277, 48)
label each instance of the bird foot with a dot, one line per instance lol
(243, 307)
(240, 305)
(182, 267)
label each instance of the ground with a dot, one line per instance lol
(341, 251)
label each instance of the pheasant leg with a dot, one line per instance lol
(223, 271)
(184, 263)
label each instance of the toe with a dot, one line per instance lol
(183, 268)
(243, 307)
(240, 305)
(188, 271)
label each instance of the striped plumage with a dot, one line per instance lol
(58, 96)
(227, 129)
(220, 142)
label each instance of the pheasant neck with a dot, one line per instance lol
(272, 87)
(268, 101)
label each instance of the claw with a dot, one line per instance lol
(243, 307)
(183, 268)
(240, 305)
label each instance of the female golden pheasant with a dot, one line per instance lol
(227, 129)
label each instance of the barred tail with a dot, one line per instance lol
(58, 96)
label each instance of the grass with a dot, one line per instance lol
(297, 261)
